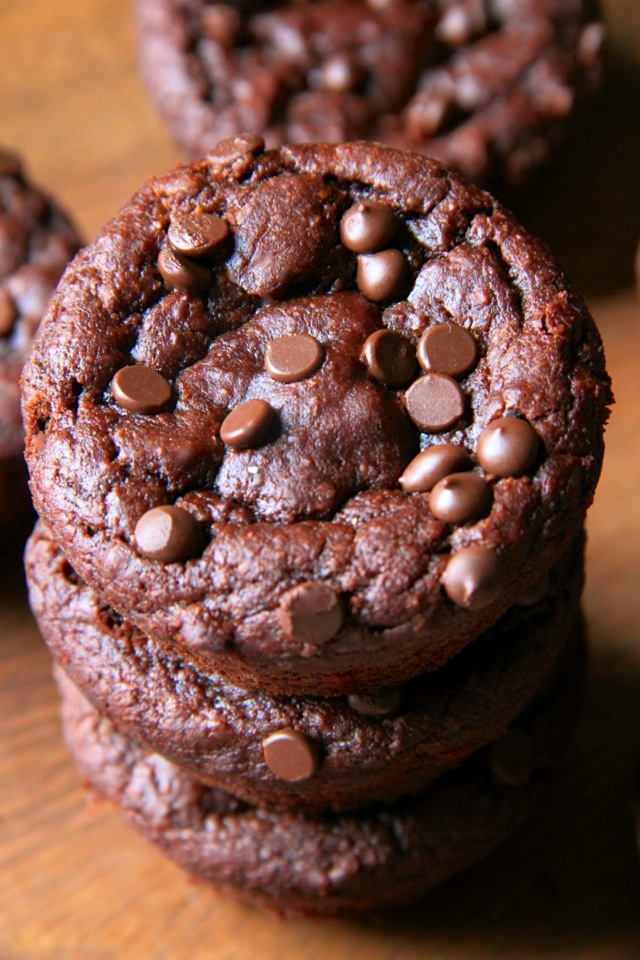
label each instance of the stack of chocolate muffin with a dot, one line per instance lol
(312, 433)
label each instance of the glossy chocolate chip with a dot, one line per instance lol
(197, 235)
(232, 148)
(169, 534)
(222, 23)
(380, 276)
(448, 348)
(473, 577)
(182, 274)
(340, 73)
(140, 389)
(293, 357)
(250, 424)
(377, 703)
(289, 755)
(430, 466)
(310, 612)
(390, 358)
(507, 447)
(8, 313)
(435, 402)
(512, 758)
(368, 227)
(460, 498)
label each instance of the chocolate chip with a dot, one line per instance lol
(448, 348)
(222, 23)
(140, 389)
(512, 758)
(432, 465)
(169, 534)
(590, 43)
(473, 577)
(380, 276)
(389, 357)
(340, 73)
(310, 612)
(293, 357)
(367, 227)
(507, 447)
(377, 703)
(8, 313)
(182, 274)
(458, 24)
(428, 114)
(460, 498)
(536, 592)
(197, 235)
(250, 424)
(226, 151)
(435, 402)
(289, 755)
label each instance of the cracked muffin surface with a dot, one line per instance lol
(320, 413)
(486, 86)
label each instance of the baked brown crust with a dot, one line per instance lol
(318, 502)
(215, 730)
(326, 864)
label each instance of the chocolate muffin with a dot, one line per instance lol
(308, 753)
(486, 87)
(320, 414)
(36, 242)
(330, 863)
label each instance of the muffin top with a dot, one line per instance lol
(486, 87)
(320, 413)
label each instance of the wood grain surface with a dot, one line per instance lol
(75, 883)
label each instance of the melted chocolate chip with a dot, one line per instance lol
(512, 758)
(293, 357)
(367, 227)
(182, 274)
(226, 151)
(473, 577)
(435, 402)
(250, 424)
(380, 276)
(340, 73)
(448, 348)
(289, 755)
(390, 358)
(197, 235)
(169, 534)
(222, 23)
(378, 703)
(310, 613)
(430, 466)
(8, 313)
(460, 498)
(140, 389)
(507, 447)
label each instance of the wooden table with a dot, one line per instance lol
(75, 883)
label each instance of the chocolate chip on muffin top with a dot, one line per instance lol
(289, 455)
